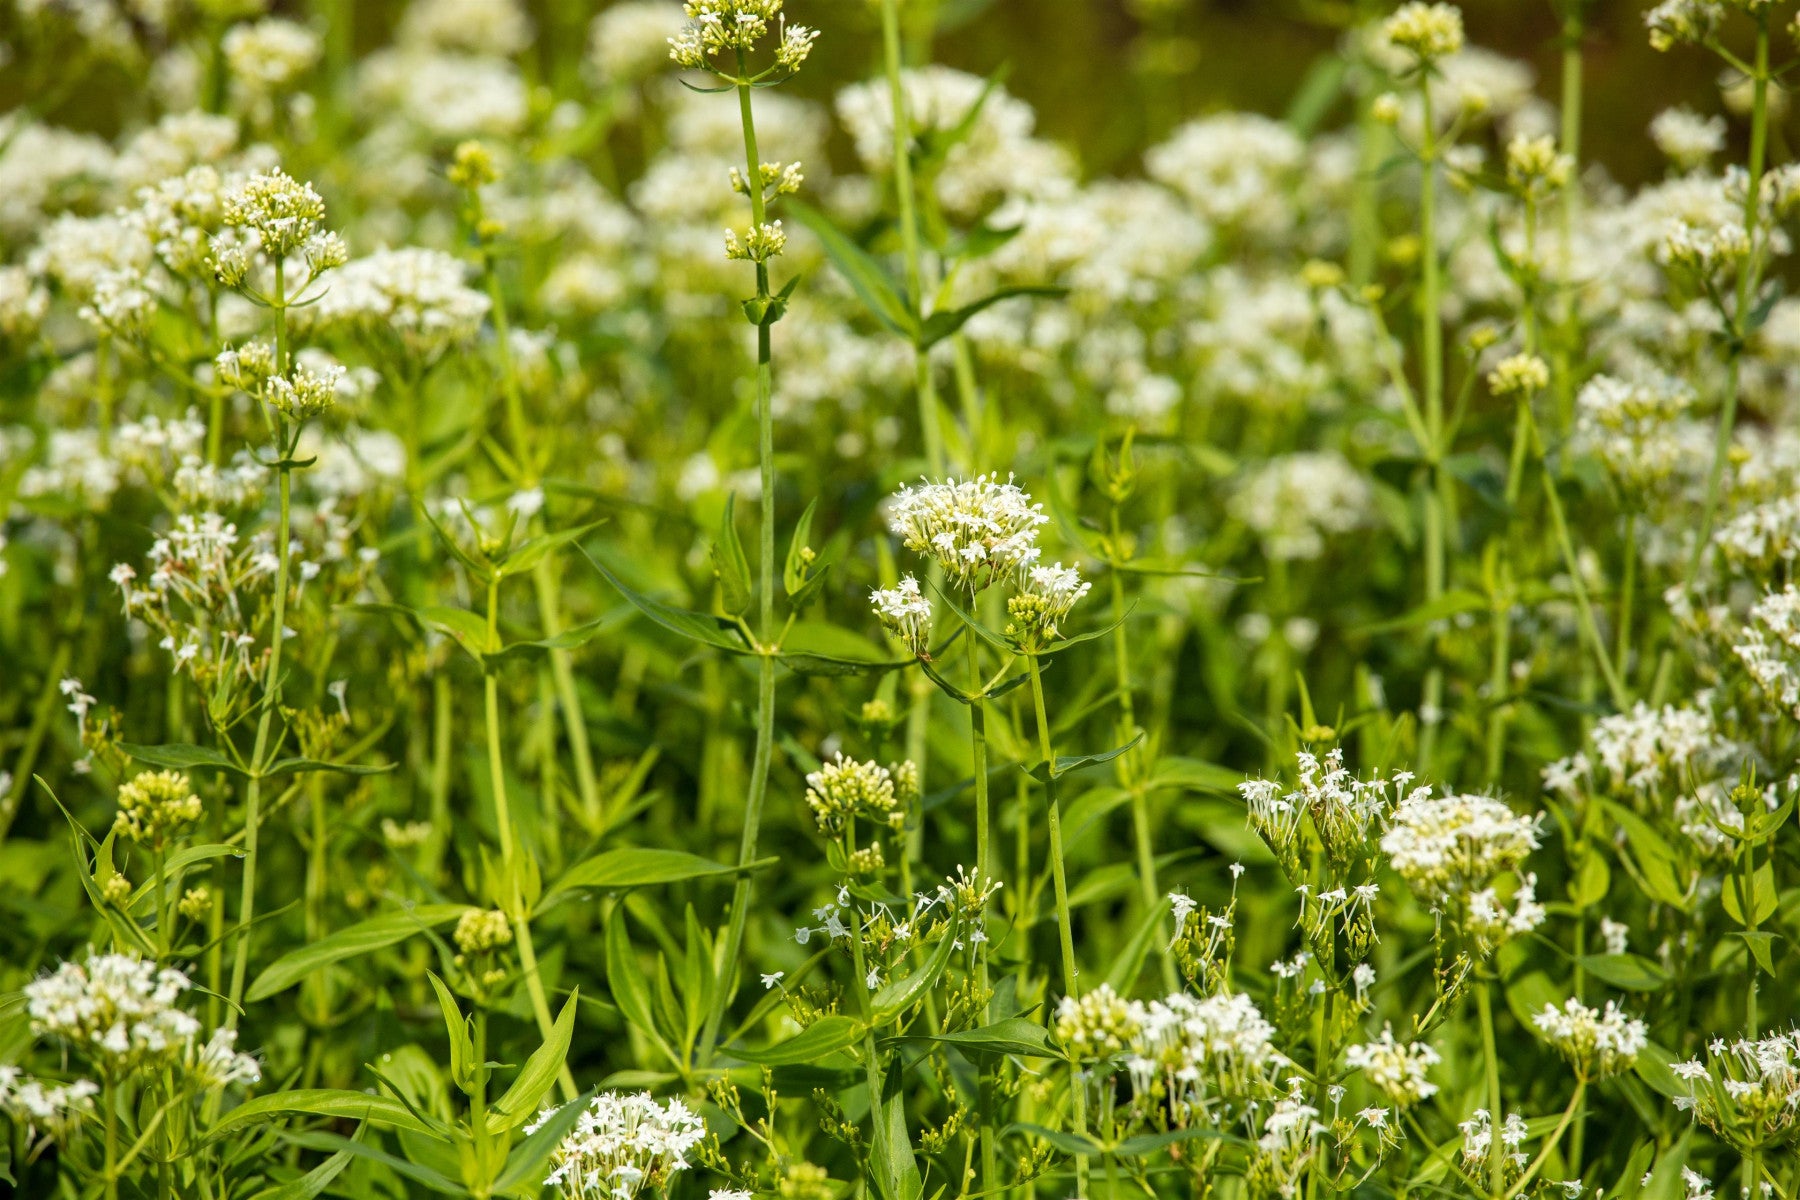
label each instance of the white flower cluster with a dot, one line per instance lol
(56, 1108)
(120, 1012)
(1394, 1068)
(1645, 748)
(1770, 640)
(1344, 810)
(1227, 167)
(905, 613)
(1478, 1140)
(977, 530)
(623, 1144)
(1746, 1091)
(1206, 1058)
(1097, 1025)
(1450, 847)
(1639, 429)
(1599, 1043)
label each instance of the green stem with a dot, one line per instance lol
(1583, 606)
(1059, 879)
(1484, 1004)
(985, 864)
(511, 897)
(765, 667)
(1431, 353)
(109, 1103)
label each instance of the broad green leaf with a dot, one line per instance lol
(1750, 901)
(698, 627)
(1653, 1067)
(1627, 972)
(180, 756)
(362, 938)
(865, 275)
(469, 630)
(1761, 945)
(827, 1035)
(1195, 775)
(794, 570)
(1130, 961)
(1061, 644)
(896, 1166)
(644, 866)
(181, 860)
(535, 1078)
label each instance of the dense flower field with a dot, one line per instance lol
(578, 620)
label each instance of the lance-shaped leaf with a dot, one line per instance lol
(320, 1102)
(865, 275)
(294, 766)
(1014, 1035)
(315, 1181)
(818, 648)
(362, 938)
(729, 561)
(1061, 644)
(825, 1036)
(901, 994)
(940, 325)
(644, 866)
(537, 1075)
(527, 555)
(526, 1162)
(181, 756)
(1069, 763)
(716, 632)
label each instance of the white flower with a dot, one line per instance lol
(975, 530)
(905, 613)
(623, 1144)
(1598, 1043)
(1396, 1069)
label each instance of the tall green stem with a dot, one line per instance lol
(765, 663)
(514, 901)
(1059, 880)
(1484, 1003)
(1431, 353)
(271, 698)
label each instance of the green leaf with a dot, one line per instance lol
(1014, 1035)
(794, 570)
(1067, 764)
(1130, 961)
(309, 1185)
(320, 1102)
(285, 766)
(818, 648)
(535, 1078)
(825, 1036)
(1077, 1144)
(462, 1045)
(940, 325)
(1061, 644)
(433, 1179)
(526, 1162)
(181, 756)
(182, 859)
(729, 561)
(643, 866)
(1627, 972)
(469, 630)
(1652, 1066)
(901, 994)
(698, 627)
(1150, 1143)
(1591, 882)
(569, 639)
(529, 554)
(1761, 943)
(896, 1166)
(362, 938)
(1195, 775)
(1755, 896)
(865, 275)
(630, 990)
